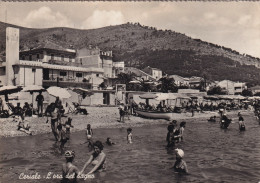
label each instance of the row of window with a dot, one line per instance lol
(52, 57)
(78, 74)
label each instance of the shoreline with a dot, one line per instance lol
(99, 117)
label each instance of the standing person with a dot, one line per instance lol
(89, 134)
(58, 102)
(180, 165)
(97, 159)
(69, 171)
(129, 136)
(1, 105)
(241, 122)
(181, 129)
(54, 122)
(40, 100)
(122, 114)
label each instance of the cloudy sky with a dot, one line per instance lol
(231, 24)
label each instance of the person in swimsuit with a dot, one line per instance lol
(69, 171)
(241, 122)
(54, 123)
(22, 124)
(97, 159)
(89, 134)
(129, 136)
(181, 129)
(180, 165)
(109, 142)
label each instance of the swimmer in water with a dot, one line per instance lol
(109, 142)
(69, 171)
(97, 159)
(129, 136)
(180, 165)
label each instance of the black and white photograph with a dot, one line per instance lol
(129, 91)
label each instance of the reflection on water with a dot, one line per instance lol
(212, 154)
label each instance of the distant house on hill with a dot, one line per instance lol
(154, 72)
(195, 81)
(232, 87)
(180, 81)
(255, 89)
(140, 75)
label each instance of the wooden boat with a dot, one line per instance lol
(155, 114)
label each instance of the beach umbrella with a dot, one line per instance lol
(58, 92)
(81, 91)
(5, 90)
(135, 82)
(9, 89)
(32, 89)
(148, 96)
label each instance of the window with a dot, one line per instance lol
(62, 73)
(97, 75)
(52, 56)
(23, 57)
(38, 56)
(80, 61)
(70, 60)
(62, 57)
(33, 70)
(30, 57)
(79, 75)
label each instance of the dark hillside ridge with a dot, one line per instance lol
(140, 46)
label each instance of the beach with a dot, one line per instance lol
(98, 117)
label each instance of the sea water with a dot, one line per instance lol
(212, 155)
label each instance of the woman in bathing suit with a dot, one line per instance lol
(97, 159)
(180, 165)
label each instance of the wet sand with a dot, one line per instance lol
(98, 117)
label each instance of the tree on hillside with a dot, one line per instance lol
(166, 85)
(125, 78)
(247, 93)
(216, 90)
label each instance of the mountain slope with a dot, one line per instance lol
(140, 46)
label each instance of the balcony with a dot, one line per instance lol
(66, 84)
(59, 62)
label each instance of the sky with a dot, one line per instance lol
(231, 24)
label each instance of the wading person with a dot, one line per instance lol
(97, 159)
(69, 171)
(241, 122)
(129, 136)
(89, 134)
(180, 165)
(40, 100)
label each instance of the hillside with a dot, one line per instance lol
(140, 46)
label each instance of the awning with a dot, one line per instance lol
(148, 96)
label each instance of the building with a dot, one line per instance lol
(195, 81)
(232, 87)
(140, 75)
(154, 72)
(47, 65)
(180, 81)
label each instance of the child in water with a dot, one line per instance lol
(129, 136)
(180, 165)
(109, 142)
(241, 122)
(69, 171)
(89, 134)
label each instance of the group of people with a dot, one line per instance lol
(97, 159)
(175, 135)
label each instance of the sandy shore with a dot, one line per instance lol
(98, 117)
